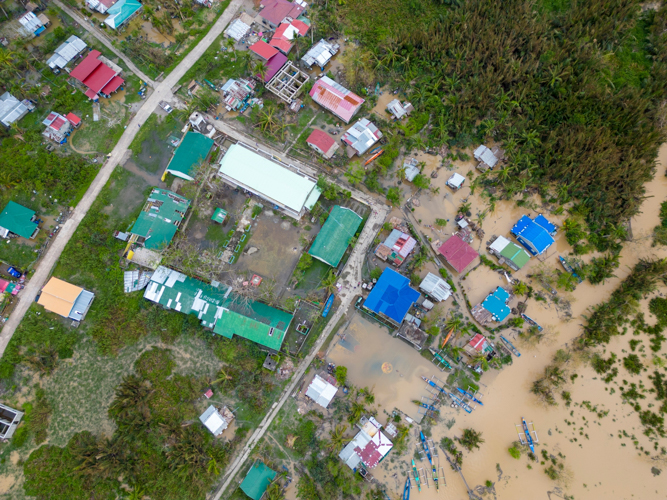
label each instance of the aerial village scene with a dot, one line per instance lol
(276, 249)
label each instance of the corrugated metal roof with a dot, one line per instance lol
(516, 254)
(275, 11)
(267, 178)
(336, 98)
(361, 136)
(191, 151)
(213, 421)
(334, 237)
(237, 29)
(159, 220)
(484, 154)
(496, 304)
(11, 109)
(435, 287)
(321, 391)
(320, 53)
(456, 180)
(263, 49)
(392, 296)
(458, 253)
(120, 12)
(66, 52)
(18, 220)
(499, 243)
(257, 480)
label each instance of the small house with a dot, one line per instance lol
(534, 234)
(19, 220)
(509, 253)
(274, 12)
(65, 52)
(11, 109)
(285, 33)
(456, 181)
(9, 421)
(237, 29)
(361, 136)
(263, 50)
(368, 448)
(323, 143)
(57, 127)
(411, 169)
(191, 152)
(219, 215)
(101, 6)
(435, 287)
(457, 253)
(236, 93)
(73, 120)
(121, 12)
(496, 304)
(67, 300)
(486, 158)
(391, 297)
(333, 239)
(398, 110)
(396, 247)
(32, 24)
(322, 391)
(335, 98)
(320, 54)
(216, 421)
(159, 220)
(257, 480)
(412, 334)
(479, 345)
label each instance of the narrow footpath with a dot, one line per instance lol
(93, 30)
(162, 92)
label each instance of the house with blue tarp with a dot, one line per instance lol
(496, 304)
(392, 296)
(534, 234)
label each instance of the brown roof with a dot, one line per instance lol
(58, 296)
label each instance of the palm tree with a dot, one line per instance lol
(357, 410)
(329, 282)
(231, 44)
(137, 493)
(223, 377)
(212, 467)
(336, 438)
(274, 492)
(465, 207)
(454, 323)
(470, 439)
(260, 68)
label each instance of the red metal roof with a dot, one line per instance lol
(113, 85)
(342, 104)
(458, 253)
(275, 11)
(282, 44)
(263, 50)
(73, 119)
(321, 140)
(477, 342)
(108, 3)
(274, 65)
(58, 123)
(91, 94)
(301, 26)
(87, 66)
(3, 285)
(51, 117)
(99, 78)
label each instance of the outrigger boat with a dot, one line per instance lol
(529, 438)
(406, 490)
(447, 338)
(414, 471)
(435, 477)
(460, 402)
(531, 321)
(376, 155)
(428, 407)
(433, 384)
(469, 396)
(439, 357)
(511, 347)
(425, 446)
(569, 268)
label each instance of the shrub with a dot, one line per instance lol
(515, 452)
(633, 364)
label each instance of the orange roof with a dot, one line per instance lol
(58, 296)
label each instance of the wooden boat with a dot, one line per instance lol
(435, 477)
(444, 342)
(406, 490)
(511, 347)
(531, 321)
(460, 402)
(469, 396)
(569, 268)
(428, 407)
(439, 357)
(374, 150)
(414, 471)
(376, 155)
(529, 438)
(425, 446)
(433, 384)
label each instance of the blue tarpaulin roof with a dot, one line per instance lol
(520, 225)
(392, 296)
(496, 304)
(542, 221)
(535, 237)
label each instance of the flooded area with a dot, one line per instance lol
(594, 433)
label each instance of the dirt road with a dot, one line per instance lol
(89, 26)
(350, 277)
(162, 92)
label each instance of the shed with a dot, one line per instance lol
(334, 237)
(321, 391)
(486, 158)
(190, 153)
(67, 300)
(219, 215)
(257, 480)
(323, 143)
(213, 421)
(458, 253)
(392, 296)
(435, 287)
(73, 119)
(456, 181)
(19, 220)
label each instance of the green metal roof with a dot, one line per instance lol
(257, 480)
(334, 237)
(269, 179)
(193, 149)
(159, 221)
(17, 219)
(219, 215)
(121, 12)
(516, 254)
(227, 313)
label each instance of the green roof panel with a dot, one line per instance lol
(219, 215)
(257, 480)
(334, 237)
(18, 220)
(516, 254)
(162, 215)
(193, 149)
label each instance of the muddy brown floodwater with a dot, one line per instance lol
(597, 463)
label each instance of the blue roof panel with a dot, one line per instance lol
(537, 236)
(520, 225)
(392, 296)
(544, 222)
(496, 304)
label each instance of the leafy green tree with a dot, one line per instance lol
(470, 439)
(341, 375)
(394, 196)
